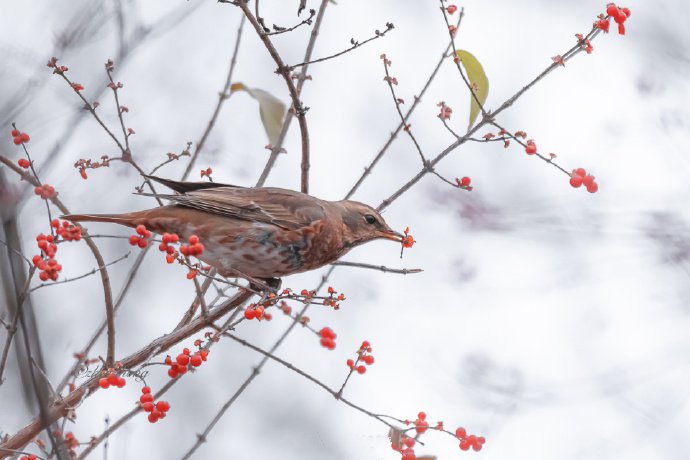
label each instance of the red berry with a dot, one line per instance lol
(603, 24)
(112, 379)
(146, 397)
(626, 12)
(24, 163)
(17, 140)
(182, 359)
(461, 433)
(193, 240)
(147, 406)
(593, 187)
(196, 360)
(24, 137)
(611, 9)
(146, 390)
(103, 382)
(464, 444)
(361, 369)
(621, 29)
(153, 417)
(588, 180)
(350, 363)
(162, 406)
(451, 9)
(15, 133)
(465, 181)
(141, 229)
(133, 240)
(576, 181)
(531, 148)
(142, 243)
(172, 372)
(368, 359)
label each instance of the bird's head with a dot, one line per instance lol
(362, 223)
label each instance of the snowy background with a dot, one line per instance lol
(547, 319)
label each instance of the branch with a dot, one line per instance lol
(402, 124)
(62, 407)
(105, 278)
(355, 44)
(277, 148)
(397, 103)
(401, 271)
(69, 280)
(281, 30)
(222, 97)
(297, 106)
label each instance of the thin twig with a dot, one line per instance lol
(299, 109)
(122, 420)
(60, 408)
(355, 44)
(402, 124)
(401, 271)
(89, 273)
(397, 103)
(12, 328)
(278, 147)
(282, 30)
(105, 278)
(222, 97)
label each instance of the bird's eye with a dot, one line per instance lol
(370, 219)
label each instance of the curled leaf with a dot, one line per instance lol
(478, 81)
(271, 110)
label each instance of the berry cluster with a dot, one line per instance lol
(24, 163)
(619, 15)
(28, 457)
(181, 364)
(169, 238)
(257, 312)
(45, 191)
(194, 248)
(156, 410)
(475, 442)
(19, 137)
(47, 265)
(141, 239)
(327, 338)
(363, 356)
(68, 231)
(333, 299)
(580, 177)
(112, 379)
(407, 450)
(421, 425)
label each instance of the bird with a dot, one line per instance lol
(262, 233)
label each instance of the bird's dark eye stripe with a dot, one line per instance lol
(370, 219)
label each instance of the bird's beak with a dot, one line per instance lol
(391, 235)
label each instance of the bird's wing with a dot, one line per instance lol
(284, 208)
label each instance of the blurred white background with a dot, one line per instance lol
(547, 319)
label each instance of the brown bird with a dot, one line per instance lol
(261, 232)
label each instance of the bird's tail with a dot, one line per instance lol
(128, 220)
